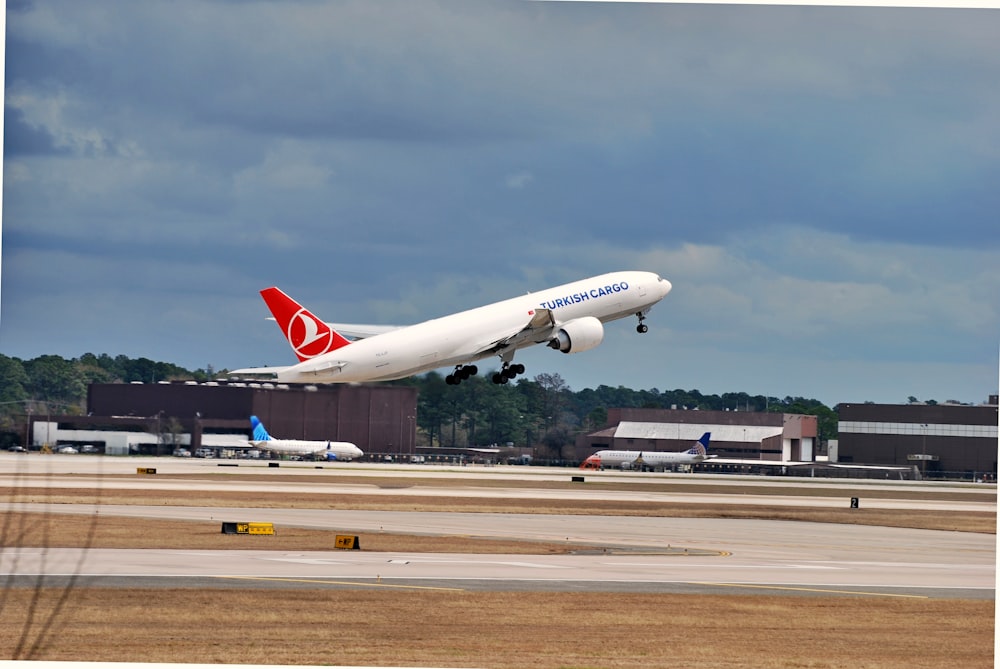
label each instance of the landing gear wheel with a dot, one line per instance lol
(642, 328)
(461, 373)
(507, 372)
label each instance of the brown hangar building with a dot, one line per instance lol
(376, 418)
(938, 439)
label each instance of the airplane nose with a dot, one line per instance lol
(665, 286)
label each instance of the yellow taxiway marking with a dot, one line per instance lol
(801, 589)
(350, 583)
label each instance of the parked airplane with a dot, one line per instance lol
(569, 318)
(333, 450)
(608, 458)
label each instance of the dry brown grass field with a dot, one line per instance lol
(378, 626)
(502, 630)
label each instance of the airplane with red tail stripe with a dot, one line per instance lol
(568, 318)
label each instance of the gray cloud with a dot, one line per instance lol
(811, 179)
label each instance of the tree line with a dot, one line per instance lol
(539, 411)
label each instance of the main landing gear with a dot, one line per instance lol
(641, 328)
(507, 373)
(461, 373)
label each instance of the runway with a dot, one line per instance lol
(638, 554)
(647, 554)
(87, 472)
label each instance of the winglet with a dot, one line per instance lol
(308, 336)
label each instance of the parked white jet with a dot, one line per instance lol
(568, 318)
(333, 450)
(654, 459)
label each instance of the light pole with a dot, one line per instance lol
(27, 429)
(923, 449)
(412, 427)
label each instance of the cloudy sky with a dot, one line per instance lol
(821, 185)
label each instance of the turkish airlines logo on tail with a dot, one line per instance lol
(308, 335)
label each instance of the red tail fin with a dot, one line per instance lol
(308, 335)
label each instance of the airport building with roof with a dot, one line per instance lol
(156, 418)
(736, 435)
(938, 440)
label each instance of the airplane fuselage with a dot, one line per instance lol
(340, 450)
(654, 459)
(469, 336)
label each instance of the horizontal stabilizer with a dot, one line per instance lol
(358, 330)
(269, 371)
(355, 331)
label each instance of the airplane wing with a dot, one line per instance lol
(538, 328)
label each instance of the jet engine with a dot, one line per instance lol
(580, 334)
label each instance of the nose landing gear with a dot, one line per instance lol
(641, 328)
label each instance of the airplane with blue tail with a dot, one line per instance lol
(330, 450)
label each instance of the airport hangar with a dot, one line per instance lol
(740, 439)
(156, 418)
(913, 441)
(946, 440)
(936, 440)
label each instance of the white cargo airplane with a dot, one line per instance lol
(332, 450)
(569, 318)
(654, 459)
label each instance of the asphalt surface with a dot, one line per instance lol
(629, 554)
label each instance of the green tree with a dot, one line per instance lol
(93, 371)
(553, 397)
(501, 414)
(596, 419)
(454, 400)
(14, 395)
(431, 405)
(150, 371)
(14, 382)
(55, 379)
